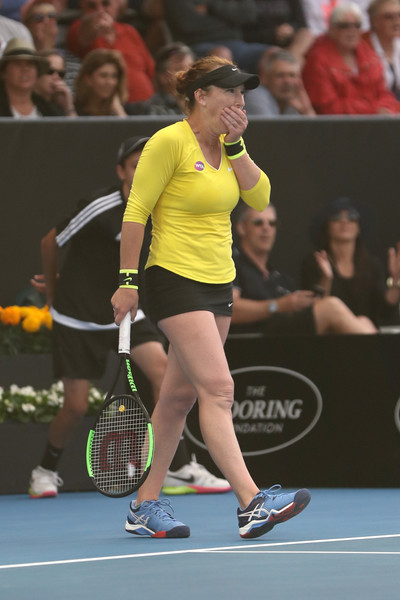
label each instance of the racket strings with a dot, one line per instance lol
(121, 446)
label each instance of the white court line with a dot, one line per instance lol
(299, 552)
(243, 548)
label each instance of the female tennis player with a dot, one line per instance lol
(189, 178)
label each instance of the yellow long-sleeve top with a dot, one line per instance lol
(190, 202)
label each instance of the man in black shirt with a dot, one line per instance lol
(266, 301)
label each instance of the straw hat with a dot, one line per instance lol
(20, 49)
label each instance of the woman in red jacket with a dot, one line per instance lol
(342, 73)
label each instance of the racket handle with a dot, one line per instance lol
(124, 344)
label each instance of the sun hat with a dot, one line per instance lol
(20, 49)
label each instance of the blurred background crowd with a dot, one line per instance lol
(118, 57)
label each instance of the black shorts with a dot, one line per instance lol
(79, 354)
(169, 294)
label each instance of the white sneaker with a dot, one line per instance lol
(44, 483)
(193, 479)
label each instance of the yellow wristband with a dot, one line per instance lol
(238, 155)
(129, 278)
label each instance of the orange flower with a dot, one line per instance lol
(10, 315)
(32, 323)
(47, 319)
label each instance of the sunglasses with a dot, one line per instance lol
(259, 222)
(60, 73)
(348, 215)
(40, 17)
(348, 25)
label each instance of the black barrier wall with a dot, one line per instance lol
(318, 411)
(47, 165)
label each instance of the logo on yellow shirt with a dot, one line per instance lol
(199, 166)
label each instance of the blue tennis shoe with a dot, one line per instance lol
(268, 508)
(151, 519)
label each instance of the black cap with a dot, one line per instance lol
(225, 77)
(129, 146)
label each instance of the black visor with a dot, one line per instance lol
(227, 76)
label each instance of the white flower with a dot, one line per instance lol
(58, 387)
(53, 399)
(16, 400)
(27, 391)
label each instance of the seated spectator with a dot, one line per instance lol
(51, 84)
(98, 28)
(281, 90)
(265, 300)
(9, 28)
(280, 23)
(101, 85)
(40, 17)
(166, 101)
(342, 74)
(205, 25)
(384, 37)
(20, 66)
(343, 267)
(318, 12)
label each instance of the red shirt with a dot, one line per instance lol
(334, 88)
(138, 60)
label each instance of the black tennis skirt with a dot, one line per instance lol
(169, 294)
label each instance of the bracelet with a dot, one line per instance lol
(235, 149)
(392, 283)
(129, 278)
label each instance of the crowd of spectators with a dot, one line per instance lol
(313, 57)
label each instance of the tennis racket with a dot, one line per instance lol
(120, 446)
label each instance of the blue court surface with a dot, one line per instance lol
(345, 545)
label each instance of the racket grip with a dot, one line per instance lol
(124, 344)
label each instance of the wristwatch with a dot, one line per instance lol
(272, 306)
(392, 283)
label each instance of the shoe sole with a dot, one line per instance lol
(176, 532)
(301, 500)
(44, 495)
(192, 489)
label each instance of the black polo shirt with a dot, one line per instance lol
(253, 284)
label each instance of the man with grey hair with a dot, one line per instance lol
(281, 91)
